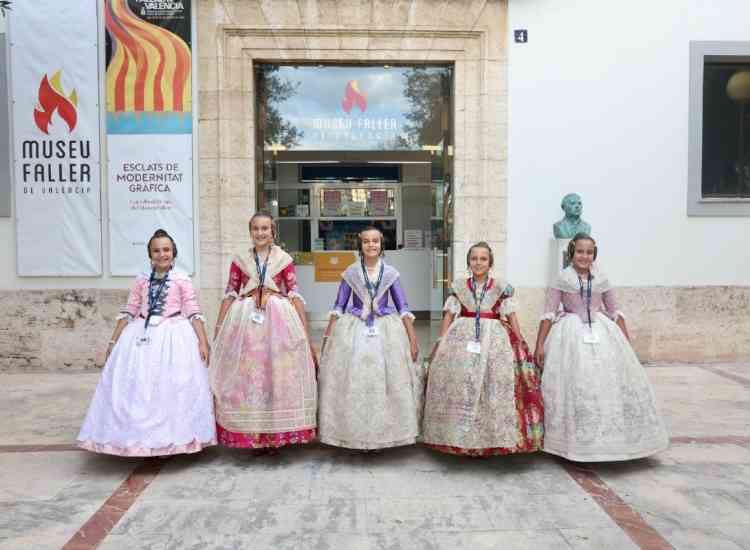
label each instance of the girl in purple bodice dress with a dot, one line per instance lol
(370, 386)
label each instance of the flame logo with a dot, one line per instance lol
(52, 98)
(352, 97)
(150, 68)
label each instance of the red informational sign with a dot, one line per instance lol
(331, 203)
(379, 203)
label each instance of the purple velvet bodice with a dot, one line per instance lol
(382, 305)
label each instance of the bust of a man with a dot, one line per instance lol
(572, 223)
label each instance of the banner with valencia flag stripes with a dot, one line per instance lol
(149, 105)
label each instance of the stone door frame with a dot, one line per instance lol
(480, 118)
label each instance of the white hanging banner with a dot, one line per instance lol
(150, 188)
(149, 130)
(55, 93)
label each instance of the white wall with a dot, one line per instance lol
(598, 102)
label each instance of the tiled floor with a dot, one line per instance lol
(696, 495)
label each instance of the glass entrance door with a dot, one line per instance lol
(343, 147)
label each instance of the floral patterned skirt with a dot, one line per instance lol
(263, 377)
(263, 440)
(461, 432)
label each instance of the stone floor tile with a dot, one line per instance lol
(702, 453)
(609, 538)
(502, 540)
(44, 407)
(553, 511)
(201, 541)
(44, 475)
(682, 495)
(235, 517)
(703, 539)
(229, 477)
(439, 514)
(696, 402)
(52, 522)
(330, 541)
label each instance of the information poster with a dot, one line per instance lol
(149, 129)
(329, 266)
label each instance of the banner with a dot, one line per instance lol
(55, 93)
(149, 129)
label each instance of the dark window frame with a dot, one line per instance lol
(697, 204)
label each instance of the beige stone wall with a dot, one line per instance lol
(69, 330)
(671, 324)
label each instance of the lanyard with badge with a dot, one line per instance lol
(258, 316)
(589, 337)
(154, 292)
(474, 346)
(372, 290)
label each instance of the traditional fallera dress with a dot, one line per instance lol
(262, 370)
(483, 398)
(370, 389)
(153, 398)
(599, 403)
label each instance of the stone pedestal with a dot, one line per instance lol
(558, 257)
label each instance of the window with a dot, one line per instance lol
(719, 148)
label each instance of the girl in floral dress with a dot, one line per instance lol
(263, 371)
(483, 396)
(370, 388)
(600, 405)
(153, 398)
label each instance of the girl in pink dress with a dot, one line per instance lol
(153, 398)
(263, 372)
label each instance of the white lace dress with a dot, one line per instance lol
(599, 404)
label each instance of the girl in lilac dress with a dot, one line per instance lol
(153, 398)
(599, 402)
(370, 386)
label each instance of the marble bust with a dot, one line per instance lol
(572, 223)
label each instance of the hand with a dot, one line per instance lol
(432, 353)
(539, 357)
(204, 351)
(414, 350)
(109, 351)
(315, 358)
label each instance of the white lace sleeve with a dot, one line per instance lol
(294, 294)
(452, 305)
(509, 305)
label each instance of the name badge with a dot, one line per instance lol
(372, 331)
(589, 336)
(474, 347)
(257, 317)
(143, 341)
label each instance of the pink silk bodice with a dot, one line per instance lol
(566, 290)
(178, 297)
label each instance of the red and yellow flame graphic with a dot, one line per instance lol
(352, 97)
(52, 98)
(150, 69)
